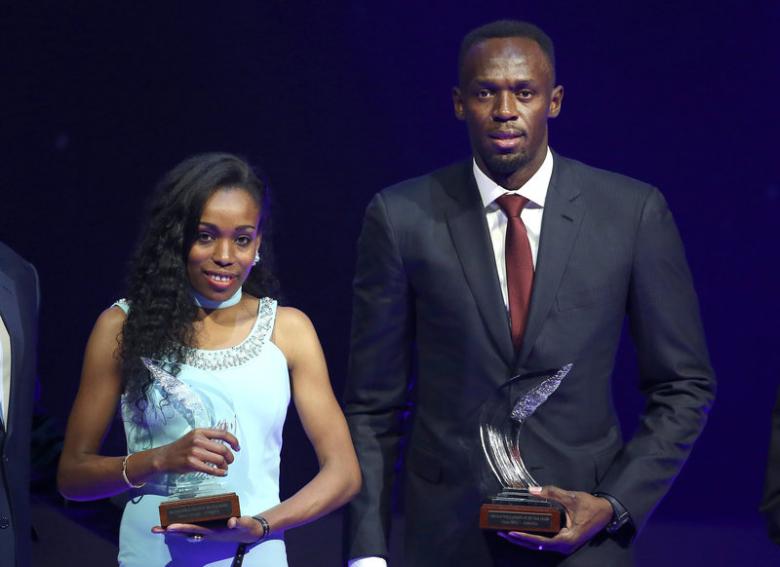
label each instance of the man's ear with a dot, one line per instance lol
(457, 103)
(555, 102)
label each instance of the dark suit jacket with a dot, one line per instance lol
(19, 308)
(770, 504)
(429, 320)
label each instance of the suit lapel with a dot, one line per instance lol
(563, 214)
(9, 310)
(469, 232)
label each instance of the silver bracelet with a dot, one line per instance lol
(265, 525)
(124, 475)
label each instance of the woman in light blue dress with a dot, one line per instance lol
(203, 364)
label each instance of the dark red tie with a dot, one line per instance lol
(519, 265)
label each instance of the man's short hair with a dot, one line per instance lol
(504, 29)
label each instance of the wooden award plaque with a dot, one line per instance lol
(200, 510)
(523, 514)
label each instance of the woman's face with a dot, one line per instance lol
(226, 243)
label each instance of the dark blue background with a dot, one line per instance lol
(335, 100)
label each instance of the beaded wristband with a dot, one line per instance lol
(265, 525)
(124, 475)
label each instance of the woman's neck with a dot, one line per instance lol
(209, 304)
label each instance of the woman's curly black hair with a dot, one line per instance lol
(159, 325)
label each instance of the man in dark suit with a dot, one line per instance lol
(18, 340)
(458, 288)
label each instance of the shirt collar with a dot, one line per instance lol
(535, 189)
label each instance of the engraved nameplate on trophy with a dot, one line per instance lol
(513, 507)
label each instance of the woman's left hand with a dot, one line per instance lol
(241, 530)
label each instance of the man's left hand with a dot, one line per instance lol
(586, 515)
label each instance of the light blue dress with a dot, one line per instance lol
(246, 386)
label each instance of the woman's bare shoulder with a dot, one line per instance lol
(110, 322)
(292, 318)
(294, 333)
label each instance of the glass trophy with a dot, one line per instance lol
(197, 497)
(512, 507)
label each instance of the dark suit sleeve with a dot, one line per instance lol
(379, 370)
(37, 291)
(675, 373)
(770, 505)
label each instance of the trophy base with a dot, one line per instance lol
(516, 510)
(201, 510)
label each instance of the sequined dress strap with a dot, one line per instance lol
(239, 354)
(122, 304)
(249, 348)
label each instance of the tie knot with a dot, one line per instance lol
(512, 204)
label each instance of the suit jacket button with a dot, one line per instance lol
(4, 522)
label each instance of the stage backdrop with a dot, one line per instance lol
(334, 100)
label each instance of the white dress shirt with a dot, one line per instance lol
(367, 562)
(535, 190)
(5, 371)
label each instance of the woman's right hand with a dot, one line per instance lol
(200, 450)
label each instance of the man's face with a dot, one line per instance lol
(505, 97)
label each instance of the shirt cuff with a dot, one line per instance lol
(367, 562)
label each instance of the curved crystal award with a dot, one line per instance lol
(197, 497)
(514, 507)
